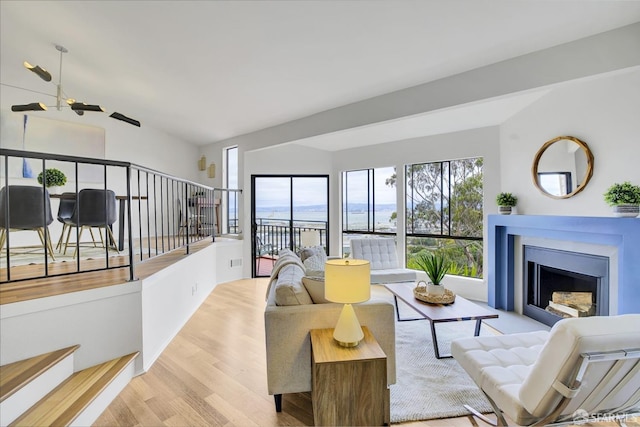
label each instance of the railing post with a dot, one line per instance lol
(132, 275)
(186, 214)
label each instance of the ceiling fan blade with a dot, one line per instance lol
(124, 118)
(41, 72)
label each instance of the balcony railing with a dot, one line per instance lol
(153, 213)
(277, 234)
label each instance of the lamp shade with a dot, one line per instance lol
(309, 238)
(347, 280)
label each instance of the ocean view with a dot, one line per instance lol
(357, 219)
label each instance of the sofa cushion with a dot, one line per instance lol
(285, 257)
(289, 288)
(315, 287)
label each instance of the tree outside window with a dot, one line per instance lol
(444, 212)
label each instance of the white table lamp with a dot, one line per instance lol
(309, 238)
(347, 281)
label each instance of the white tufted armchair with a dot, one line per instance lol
(582, 369)
(382, 255)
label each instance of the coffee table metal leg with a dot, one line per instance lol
(434, 338)
(395, 300)
(478, 324)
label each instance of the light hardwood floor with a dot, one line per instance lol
(40, 288)
(213, 373)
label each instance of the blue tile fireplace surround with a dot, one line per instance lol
(620, 233)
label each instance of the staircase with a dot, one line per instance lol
(44, 390)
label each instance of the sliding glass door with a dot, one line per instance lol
(282, 206)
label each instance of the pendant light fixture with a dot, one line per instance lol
(62, 100)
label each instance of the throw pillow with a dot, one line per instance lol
(315, 264)
(306, 253)
(315, 287)
(309, 252)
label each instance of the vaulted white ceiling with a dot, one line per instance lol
(206, 71)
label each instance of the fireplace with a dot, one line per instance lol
(615, 238)
(559, 284)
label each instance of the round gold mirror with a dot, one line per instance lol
(562, 167)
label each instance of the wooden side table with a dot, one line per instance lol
(349, 385)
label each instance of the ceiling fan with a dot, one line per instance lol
(62, 101)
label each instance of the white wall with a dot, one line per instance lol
(110, 322)
(143, 145)
(229, 260)
(106, 322)
(603, 113)
(171, 296)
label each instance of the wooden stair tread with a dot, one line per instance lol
(14, 376)
(62, 405)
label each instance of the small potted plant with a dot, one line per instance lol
(436, 267)
(506, 201)
(53, 178)
(625, 199)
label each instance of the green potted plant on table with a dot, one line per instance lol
(506, 201)
(436, 267)
(53, 178)
(625, 199)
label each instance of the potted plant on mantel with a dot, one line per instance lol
(54, 178)
(506, 201)
(625, 199)
(436, 267)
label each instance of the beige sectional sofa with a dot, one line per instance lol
(290, 314)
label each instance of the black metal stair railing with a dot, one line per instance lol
(155, 213)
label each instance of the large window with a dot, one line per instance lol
(231, 178)
(368, 204)
(284, 206)
(444, 212)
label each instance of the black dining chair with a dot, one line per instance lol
(65, 211)
(26, 207)
(95, 209)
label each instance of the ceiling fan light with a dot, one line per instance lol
(41, 72)
(81, 106)
(34, 106)
(79, 112)
(124, 118)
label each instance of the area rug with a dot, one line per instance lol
(35, 255)
(426, 387)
